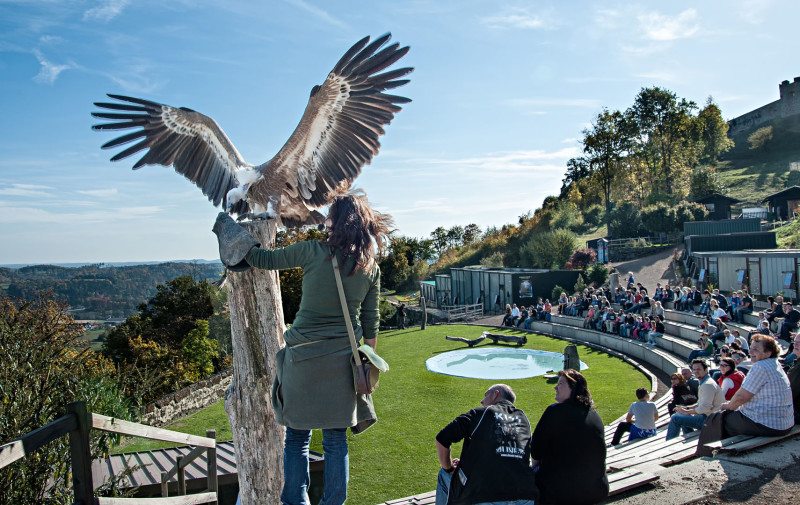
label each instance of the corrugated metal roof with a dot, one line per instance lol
(146, 467)
(752, 252)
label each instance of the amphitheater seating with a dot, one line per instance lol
(744, 443)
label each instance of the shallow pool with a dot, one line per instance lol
(496, 363)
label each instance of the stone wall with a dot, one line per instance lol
(187, 400)
(787, 105)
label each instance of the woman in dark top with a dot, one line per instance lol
(569, 446)
(681, 394)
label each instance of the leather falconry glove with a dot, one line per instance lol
(234, 242)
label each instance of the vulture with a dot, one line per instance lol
(337, 135)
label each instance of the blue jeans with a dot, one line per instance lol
(699, 353)
(295, 467)
(686, 422)
(443, 487)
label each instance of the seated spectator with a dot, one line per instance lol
(709, 398)
(562, 302)
(640, 421)
(658, 310)
(730, 379)
(735, 302)
(515, 313)
(588, 321)
(631, 280)
(723, 338)
(691, 380)
(492, 468)
(658, 293)
(523, 316)
(681, 394)
(547, 311)
(569, 438)
(742, 363)
(717, 313)
(791, 317)
(745, 307)
(722, 302)
(744, 345)
(794, 380)
(705, 304)
(706, 349)
(775, 310)
(507, 317)
(657, 330)
(763, 405)
(791, 357)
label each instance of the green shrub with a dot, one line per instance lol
(597, 274)
(593, 216)
(625, 221)
(659, 218)
(557, 290)
(548, 249)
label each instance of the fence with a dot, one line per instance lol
(463, 312)
(78, 422)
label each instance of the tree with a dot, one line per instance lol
(604, 145)
(472, 232)
(257, 334)
(455, 236)
(759, 139)
(548, 249)
(713, 133)
(577, 170)
(440, 241)
(199, 352)
(705, 181)
(45, 367)
(493, 260)
(597, 274)
(659, 217)
(661, 125)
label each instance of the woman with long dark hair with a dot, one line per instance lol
(730, 379)
(568, 446)
(314, 383)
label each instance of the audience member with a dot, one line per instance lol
(730, 379)
(681, 394)
(709, 398)
(640, 421)
(691, 380)
(791, 317)
(495, 457)
(569, 446)
(762, 406)
(706, 348)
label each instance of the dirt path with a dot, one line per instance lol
(656, 268)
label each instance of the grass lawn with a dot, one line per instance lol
(92, 338)
(397, 457)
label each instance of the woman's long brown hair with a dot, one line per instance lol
(357, 231)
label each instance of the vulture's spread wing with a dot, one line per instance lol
(338, 133)
(188, 141)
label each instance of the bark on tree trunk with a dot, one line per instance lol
(256, 334)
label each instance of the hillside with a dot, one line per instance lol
(751, 175)
(99, 291)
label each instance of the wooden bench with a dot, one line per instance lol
(618, 482)
(744, 443)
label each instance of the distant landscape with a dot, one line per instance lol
(101, 290)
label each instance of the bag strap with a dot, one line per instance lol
(345, 312)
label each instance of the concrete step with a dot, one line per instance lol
(692, 319)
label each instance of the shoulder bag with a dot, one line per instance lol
(366, 363)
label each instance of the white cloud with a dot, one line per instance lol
(517, 18)
(136, 77)
(106, 11)
(25, 190)
(49, 71)
(660, 27)
(50, 39)
(15, 214)
(135, 212)
(100, 193)
(507, 162)
(318, 12)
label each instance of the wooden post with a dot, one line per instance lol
(80, 456)
(164, 485)
(424, 313)
(211, 465)
(181, 476)
(256, 335)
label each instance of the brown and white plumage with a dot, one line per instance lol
(337, 135)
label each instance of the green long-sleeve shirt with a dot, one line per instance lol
(320, 313)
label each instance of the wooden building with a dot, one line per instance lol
(718, 205)
(763, 272)
(784, 204)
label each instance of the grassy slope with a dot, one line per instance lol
(396, 457)
(752, 175)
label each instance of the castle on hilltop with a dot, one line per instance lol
(787, 105)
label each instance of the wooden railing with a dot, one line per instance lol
(463, 312)
(77, 423)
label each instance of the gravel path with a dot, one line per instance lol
(649, 270)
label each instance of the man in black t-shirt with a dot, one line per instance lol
(495, 458)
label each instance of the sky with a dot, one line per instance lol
(501, 92)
